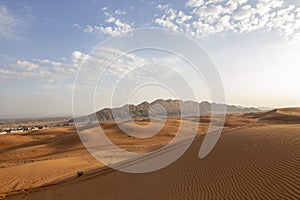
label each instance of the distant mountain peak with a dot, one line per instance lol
(172, 109)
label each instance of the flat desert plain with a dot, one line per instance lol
(256, 157)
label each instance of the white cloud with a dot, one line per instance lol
(44, 69)
(46, 61)
(7, 73)
(114, 26)
(28, 66)
(78, 58)
(194, 3)
(173, 19)
(111, 19)
(78, 55)
(203, 18)
(120, 12)
(104, 8)
(77, 26)
(162, 7)
(9, 23)
(224, 24)
(167, 23)
(109, 30)
(265, 6)
(89, 29)
(244, 13)
(206, 11)
(125, 63)
(182, 17)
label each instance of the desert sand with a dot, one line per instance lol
(256, 157)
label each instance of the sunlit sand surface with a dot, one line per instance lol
(256, 157)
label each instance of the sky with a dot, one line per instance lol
(255, 45)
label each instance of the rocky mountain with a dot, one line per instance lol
(169, 108)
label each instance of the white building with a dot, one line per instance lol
(17, 131)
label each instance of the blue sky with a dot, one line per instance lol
(254, 44)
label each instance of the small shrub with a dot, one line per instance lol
(79, 173)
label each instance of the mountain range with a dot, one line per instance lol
(169, 108)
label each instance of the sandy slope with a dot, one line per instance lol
(37, 158)
(252, 160)
(277, 116)
(29, 160)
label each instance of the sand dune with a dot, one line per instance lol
(277, 116)
(254, 159)
(29, 160)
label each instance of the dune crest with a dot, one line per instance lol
(277, 116)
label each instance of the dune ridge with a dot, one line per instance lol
(277, 116)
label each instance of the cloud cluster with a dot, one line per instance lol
(8, 22)
(44, 69)
(113, 25)
(202, 18)
(66, 68)
(114, 63)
